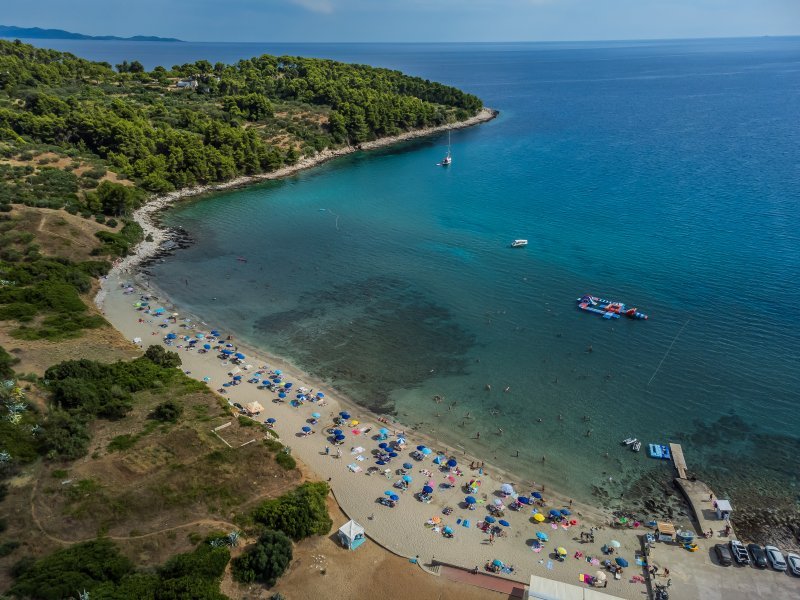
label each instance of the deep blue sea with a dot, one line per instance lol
(665, 174)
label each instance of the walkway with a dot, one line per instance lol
(698, 495)
(482, 580)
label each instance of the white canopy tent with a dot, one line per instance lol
(541, 588)
(351, 535)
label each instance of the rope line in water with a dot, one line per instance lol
(675, 339)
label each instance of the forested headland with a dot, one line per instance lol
(190, 124)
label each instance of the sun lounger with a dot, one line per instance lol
(354, 468)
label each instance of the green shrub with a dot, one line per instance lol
(122, 442)
(168, 411)
(8, 547)
(246, 421)
(273, 445)
(266, 561)
(286, 461)
(163, 358)
(299, 514)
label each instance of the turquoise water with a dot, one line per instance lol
(662, 174)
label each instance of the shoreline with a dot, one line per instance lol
(146, 214)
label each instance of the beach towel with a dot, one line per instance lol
(640, 562)
(537, 549)
(549, 565)
(354, 468)
(595, 561)
(359, 458)
(357, 450)
(553, 526)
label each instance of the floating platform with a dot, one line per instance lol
(659, 451)
(608, 309)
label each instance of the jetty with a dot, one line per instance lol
(700, 497)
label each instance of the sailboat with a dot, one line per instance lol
(448, 158)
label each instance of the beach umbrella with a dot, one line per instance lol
(504, 523)
(237, 377)
(266, 382)
(171, 336)
(426, 489)
(470, 500)
(392, 454)
(507, 488)
(339, 438)
(239, 355)
(542, 536)
(451, 479)
(420, 448)
(438, 460)
(288, 385)
(278, 371)
(281, 395)
(498, 502)
(621, 561)
(524, 500)
(555, 513)
(200, 336)
(383, 445)
(600, 575)
(497, 563)
(452, 463)
(270, 420)
(276, 380)
(214, 332)
(229, 345)
(536, 495)
(388, 493)
(380, 462)
(623, 520)
(345, 415)
(315, 415)
(408, 478)
(206, 346)
(337, 432)
(394, 497)
(408, 466)
(320, 395)
(614, 543)
(307, 429)
(400, 440)
(489, 519)
(426, 451)
(538, 517)
(227, 352)
(383, 431)
(566, 512)
(561, 551)
(447, 530)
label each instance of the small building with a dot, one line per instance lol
(190, 83)
(665, 531)
(724, 509)
(351, 535)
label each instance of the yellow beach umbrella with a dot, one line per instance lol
(538, 517)
(561, 551)
(353, 423)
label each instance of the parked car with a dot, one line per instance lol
(724, 555)
(794, 563)
(775, 558)
(739, 552)
(759, 556)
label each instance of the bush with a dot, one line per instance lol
(8, 547)
(65, 435)
(168, 411)
(299, 514)
(272, 445)
(266, 561)
(245, 421)
(163, 358)
(122, 442)
(79, 567)
(287, 461)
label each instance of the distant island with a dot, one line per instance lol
(37, 33)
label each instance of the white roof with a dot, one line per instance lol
(724, 505)
(547, 589)
(351, 529)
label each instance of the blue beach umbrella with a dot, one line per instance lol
(229, 345)
(447, 530)
(426, 489)
(380, 462)
(200, 336)
(276, 380)
(227, 352)
(536, 495)
(555, 513)
(306, 429)
(383, 445)
(497, 562)
(383, 431)
(320, 395)
(266, 382)
(288, 385)
(394, 497)
(438, 460)
(315, 415)
(392, 454)
(270, 420)
(452, 463)
(489, 519)
(408, 466)
(542, 536)
(388, 493)
(206, 346)
(408, 478)
(621, 561)
(214, 332)
(281, 395)
(237, 377)
(337, 432)
(339, 437)
(278, 372)
(426, 451)
(504, 523)
(420, 448)
(470, 500)
(239, 355)
(565, 512)
(171, 336)
(523, 500)
(345, 415)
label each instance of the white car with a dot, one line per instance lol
(775, 558)
(794, 563)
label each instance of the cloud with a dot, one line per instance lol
(317, 6)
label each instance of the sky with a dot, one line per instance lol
(411, 20)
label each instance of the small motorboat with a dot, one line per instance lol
(629, 441)
(636, 446)
(608, 309)
(519, 243)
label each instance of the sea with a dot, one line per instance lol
(663, 174)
